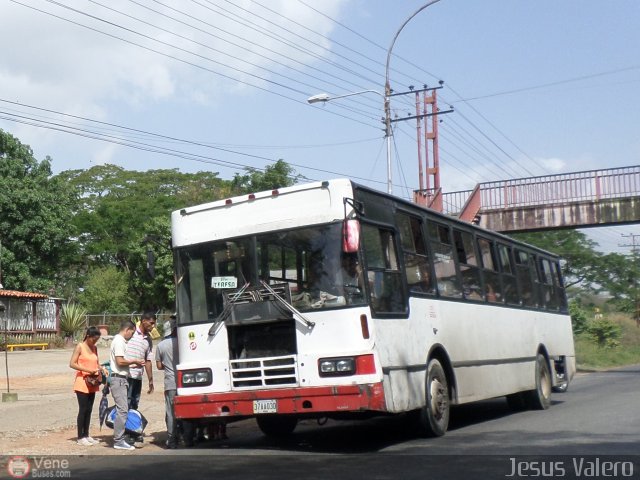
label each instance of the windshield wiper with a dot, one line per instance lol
(217, 323)
(296, 314)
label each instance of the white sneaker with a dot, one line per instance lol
(123, 446)
(93, 440)
(85, 442)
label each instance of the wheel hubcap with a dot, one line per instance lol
(545, 383)
(438, 398)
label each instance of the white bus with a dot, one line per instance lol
(333, 300)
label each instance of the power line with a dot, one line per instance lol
(244, 47)
(552, 84)
(86, 133)
(184, 61)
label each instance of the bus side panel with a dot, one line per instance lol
(403, 345)
(492, 349)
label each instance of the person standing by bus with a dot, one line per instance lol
(118, 381)
(140, 346)
(166, 359)
(88, 378)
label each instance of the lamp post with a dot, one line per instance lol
(323, 97)
(387, 92)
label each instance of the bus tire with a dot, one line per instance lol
(277, 426)
(540, 397)
(434, 416)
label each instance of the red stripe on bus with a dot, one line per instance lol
(346, 398)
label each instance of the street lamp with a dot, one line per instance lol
(387, 92)
(324, 97)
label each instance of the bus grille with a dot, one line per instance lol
(254, 373)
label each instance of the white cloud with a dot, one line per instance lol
(63, 66)
(552, 165)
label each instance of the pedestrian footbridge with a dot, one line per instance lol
(570, 200)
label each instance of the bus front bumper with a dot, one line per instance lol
(303, 400)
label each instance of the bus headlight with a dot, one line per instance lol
(343, 366)
(196, 378)
(336, 366)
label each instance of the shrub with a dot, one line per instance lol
(605, 333)
(72, 320)
(578, 318)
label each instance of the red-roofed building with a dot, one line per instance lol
(30, 315)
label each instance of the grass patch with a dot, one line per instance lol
(590, 356)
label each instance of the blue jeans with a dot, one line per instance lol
(134, 392)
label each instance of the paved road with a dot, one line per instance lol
(599, 416)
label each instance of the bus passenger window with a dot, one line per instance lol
(507, 271)
(467, 259)
(492, 290)
(547, 287)
(383, 273)
(524, 270)
(444, 264)
(416, 262)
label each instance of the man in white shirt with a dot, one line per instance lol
(118, 381)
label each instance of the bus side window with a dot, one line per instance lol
(416, 262)
(468, 264)
(547, 287)
(443, 261)
(383, 272)
(557, 280)
(523, 273)
(507, 271)
(492, 290)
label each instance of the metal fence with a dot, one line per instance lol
(592, 185)
(30, 316)
(109, 323)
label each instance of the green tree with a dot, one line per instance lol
(582, 264)
(119, 210)
(106, 291)
(619, 277)
(35, 208)
(278, 175)
(154, 291)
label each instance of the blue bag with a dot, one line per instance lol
(134, 425)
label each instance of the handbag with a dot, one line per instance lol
(93, 380)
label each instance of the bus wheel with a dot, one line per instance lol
(540, 397)
(277, 426)
(434, 416)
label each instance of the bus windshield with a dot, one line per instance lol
(309, 261)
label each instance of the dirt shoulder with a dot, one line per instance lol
(43, 420)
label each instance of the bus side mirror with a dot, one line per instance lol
(350, 236)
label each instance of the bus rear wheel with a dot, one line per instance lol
(434, 416)
(540, 397)
(277, 426)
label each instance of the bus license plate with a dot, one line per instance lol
(265, 406)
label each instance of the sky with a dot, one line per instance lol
(537, 87)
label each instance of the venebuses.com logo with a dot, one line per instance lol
(38, 467)
(18, 467)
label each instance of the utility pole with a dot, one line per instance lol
(634, 252)
(426, 111)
